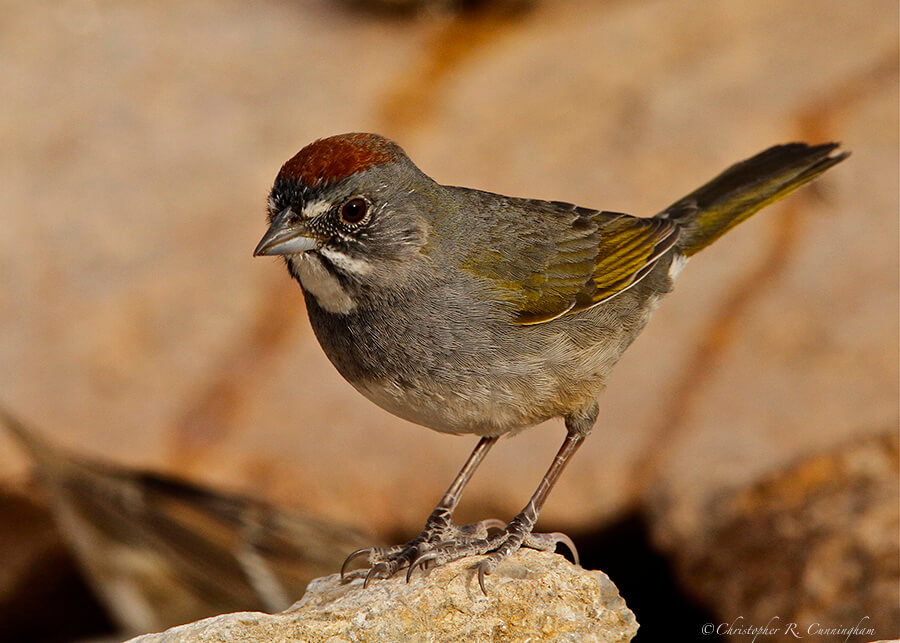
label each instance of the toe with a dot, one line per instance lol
(548, 542)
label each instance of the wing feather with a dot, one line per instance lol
(548, 259)
(625, 253)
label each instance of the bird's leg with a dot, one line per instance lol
(519, 532)
(439, 528)
(440, 518)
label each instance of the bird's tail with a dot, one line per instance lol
(746, 187)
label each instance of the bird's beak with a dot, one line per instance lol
(285, 237)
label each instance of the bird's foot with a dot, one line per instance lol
(515, 535)
(443, 542)
(439, 532)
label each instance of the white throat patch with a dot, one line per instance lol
(324, 286)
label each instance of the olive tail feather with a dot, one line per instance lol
(745, 188)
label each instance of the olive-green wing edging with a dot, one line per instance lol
(628, 249)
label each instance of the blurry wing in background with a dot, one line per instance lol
(160, 552)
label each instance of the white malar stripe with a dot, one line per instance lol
(323, 285)
(315, 208)
(345, 263)
(678, 263)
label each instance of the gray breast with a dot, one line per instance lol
(454, 363)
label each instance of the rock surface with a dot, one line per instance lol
(532, 596)
(815, 543)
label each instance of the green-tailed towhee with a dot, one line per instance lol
(471, 312)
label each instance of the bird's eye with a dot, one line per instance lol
(354, 210)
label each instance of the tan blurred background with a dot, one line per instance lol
(139, 141)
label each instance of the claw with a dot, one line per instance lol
(420, 561)
(377, 568)
(548, 542)
(565, 540)
(352, 557)
(481, 567)
(493, 523)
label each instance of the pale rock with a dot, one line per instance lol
(532, 596)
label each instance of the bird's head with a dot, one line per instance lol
(351, 205)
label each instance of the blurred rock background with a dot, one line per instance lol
(139, 141)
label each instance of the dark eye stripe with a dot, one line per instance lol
(326, 263)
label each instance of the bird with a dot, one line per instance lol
(474, 313)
